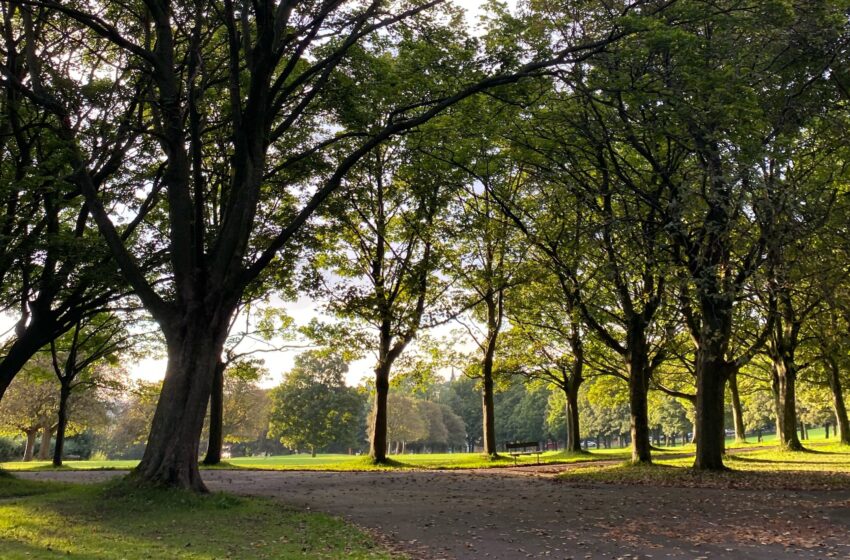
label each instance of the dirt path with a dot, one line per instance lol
(498, 515)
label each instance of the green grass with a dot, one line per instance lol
(328, 462)
(106, 522)
(820, 466)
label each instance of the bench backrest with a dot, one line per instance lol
(523, 445)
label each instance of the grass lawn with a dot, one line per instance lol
(821, 466)
(352, 463)
(331, 462)
(104, 522)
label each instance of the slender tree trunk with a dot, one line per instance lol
(487, 400)
(784, 375)
(61, 425)
(489, 417)
(378, 445)
(737, 410)
(171, 455)
(573, 428)
(29, 448)
(312, 451)
(46, 436)
(216, 439)
(842, 425)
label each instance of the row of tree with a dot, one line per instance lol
(653, 190)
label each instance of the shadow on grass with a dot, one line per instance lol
(780, 461)
(121, 520)
(660, 475)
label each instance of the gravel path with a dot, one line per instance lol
(498, 515)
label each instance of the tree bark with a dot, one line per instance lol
(378, 444)
(842, 426)
(710, 434)
(784, 384)
(573, 428)
(46, 436)
(171, 455)
(61, 425)
(19, 353)
(29, 448)
(488, 415)
(638, 368)
(737, 410)
(216, 436)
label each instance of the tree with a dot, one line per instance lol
(546, 343)
(313, 408)
(54, 270)
(29, 407)
(239, 124)
(245, 405)
(386, 250)
(485, 252)
(759, 411)
(86, 359)
(131, 421)
(830, 338)
(462, 396)
(265, 329)
(32, 406)
(678, 83)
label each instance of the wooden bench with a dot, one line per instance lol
(516, 449)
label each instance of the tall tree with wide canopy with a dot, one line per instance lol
(722, 85)
(485, 254)
(245, 85)
(54, 270)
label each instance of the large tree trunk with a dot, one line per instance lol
(171, 455)
(216, 438)
(378, 444)
(784, 383)
(842, 425)
(61, 425)
(29, 448)
(737, 410)
(46, 437)
(711, 388)
(573, 429)
(637, 363)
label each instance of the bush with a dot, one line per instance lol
(11, 448)
(80, 446)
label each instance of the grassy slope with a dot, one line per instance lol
(43, 520)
